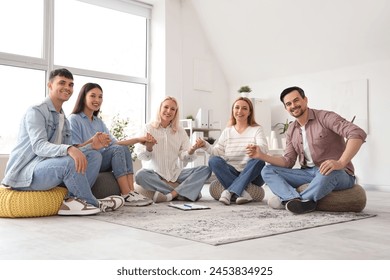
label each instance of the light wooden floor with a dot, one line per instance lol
(73, 238)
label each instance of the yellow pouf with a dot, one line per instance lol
(349, 200)
(27, 204)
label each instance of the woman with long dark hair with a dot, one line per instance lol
(85, 123)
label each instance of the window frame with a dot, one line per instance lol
(46, 62)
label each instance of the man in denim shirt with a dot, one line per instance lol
(316, 138)
(44, 157)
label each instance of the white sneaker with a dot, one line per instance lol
(244, 198)
(76, 207)
(275, 203)
(225, 197)
(136, 199)
(112, 202)
(142, 197)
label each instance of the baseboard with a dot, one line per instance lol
(379, 188)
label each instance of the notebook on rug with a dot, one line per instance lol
(188, 206)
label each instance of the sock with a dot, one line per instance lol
(169, 197)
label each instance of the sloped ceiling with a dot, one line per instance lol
(263, 39)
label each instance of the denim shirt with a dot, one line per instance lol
(84, 129)
(37, 133)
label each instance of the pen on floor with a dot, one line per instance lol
(188, 205)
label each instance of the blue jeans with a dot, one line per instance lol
(56, 171)
(284, 181)
(191, 181)
(233, 180)
(118, 159)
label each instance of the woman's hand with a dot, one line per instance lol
(199, 143)
(150, 141)
(100, 140)
(254, 151)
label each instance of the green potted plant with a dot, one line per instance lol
(244, 91)
(190, 117)
(282, 127)
(117, 129)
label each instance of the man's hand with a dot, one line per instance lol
(100, 140)
(80, 160)
(254, 151)
(329, 165)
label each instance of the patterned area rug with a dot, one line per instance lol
(222, 224)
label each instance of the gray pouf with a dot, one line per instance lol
(105, 185)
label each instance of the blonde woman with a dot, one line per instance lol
(162, 177)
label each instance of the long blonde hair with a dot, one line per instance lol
(251, 118)
(175, 121)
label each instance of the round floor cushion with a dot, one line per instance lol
(349, 200)
(26, 204)
(256, 192)
(105, 185)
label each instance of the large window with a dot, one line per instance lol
(101, 41)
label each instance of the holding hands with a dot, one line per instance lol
(198, 144)
(100, 140)
(254, 151)
(149, 142)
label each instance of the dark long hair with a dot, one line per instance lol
(80, 102)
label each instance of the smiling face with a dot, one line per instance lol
(295, 104)
(93, 101)
(241, 111)
(61, 89)
(168, 112)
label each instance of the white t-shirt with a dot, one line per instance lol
(306, 149)
(61, 122)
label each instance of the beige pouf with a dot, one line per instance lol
(349, 200)
(256, 192)
(27, 204)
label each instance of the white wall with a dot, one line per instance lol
(196, 50)
(373, 160)
(177, 41)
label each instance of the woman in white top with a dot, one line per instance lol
(162, 175)
(229, 161)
